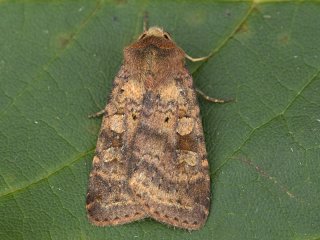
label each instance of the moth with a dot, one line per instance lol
(150, 159)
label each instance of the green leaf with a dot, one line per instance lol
(57, 64)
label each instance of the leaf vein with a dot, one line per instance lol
(47, 176)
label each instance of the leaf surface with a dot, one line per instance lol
(57, 64)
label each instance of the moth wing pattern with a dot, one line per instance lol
(151, 159)
(109, 199)
(170, 177)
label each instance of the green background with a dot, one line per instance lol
(57, 63)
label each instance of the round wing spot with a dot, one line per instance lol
(111, 154)
(96, 160)
(117, 123)
(189, 157)
(185, 126)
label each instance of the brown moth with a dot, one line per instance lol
(150, 159)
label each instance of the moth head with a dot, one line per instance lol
(154, 43)
(155, 32)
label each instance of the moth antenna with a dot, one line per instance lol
(145, 21)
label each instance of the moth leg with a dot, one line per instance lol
(97, 114)
(211, 99)
(198, 59)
